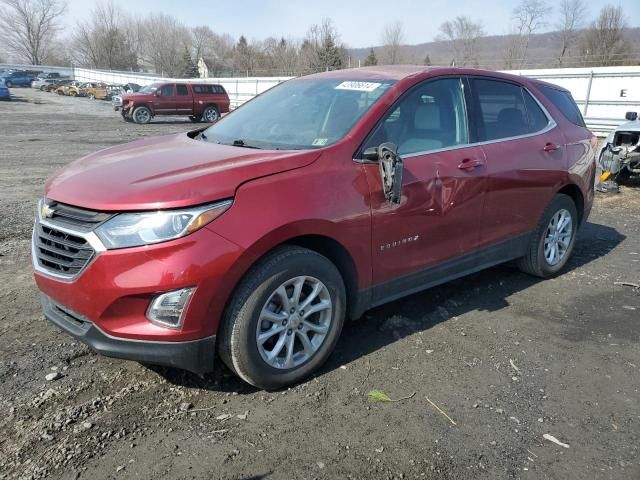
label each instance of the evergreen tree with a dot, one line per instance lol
(189, 68)
(371, 59)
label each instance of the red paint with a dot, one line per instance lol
(453, 202)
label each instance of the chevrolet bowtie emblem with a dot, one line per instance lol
(47, 211)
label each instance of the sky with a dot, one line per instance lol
(359, 22)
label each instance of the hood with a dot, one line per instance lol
(125, 96)
(166, 172)
(633, 126)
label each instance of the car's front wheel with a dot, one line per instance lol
(141, 115)
(284, 319)
(9, 84)
(552, 242)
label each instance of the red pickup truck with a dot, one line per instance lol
(198, 101)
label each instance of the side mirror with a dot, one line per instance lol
(158, 93)
(391, 171)
(631, 116)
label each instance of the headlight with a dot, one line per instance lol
(144, 228)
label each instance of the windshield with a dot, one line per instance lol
(150, 88)
(298, 114)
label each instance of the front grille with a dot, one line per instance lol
(59, 252)
(75, 218)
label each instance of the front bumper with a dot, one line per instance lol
(196, 356)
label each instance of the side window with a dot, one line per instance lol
(182, 90)
(430, 117)
(564, 102)
(502, 110)
(537, 118)
(167, 90)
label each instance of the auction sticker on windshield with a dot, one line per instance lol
(358, 86)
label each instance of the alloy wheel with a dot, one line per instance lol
(558, 237)
(294, 322)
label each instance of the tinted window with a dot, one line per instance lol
(167, 90)
(182, 90)
(502, 113)
(432, 116)
(564, 102)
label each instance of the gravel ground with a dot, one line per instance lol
(505, 358)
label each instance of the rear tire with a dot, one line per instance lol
(258, 309)
(552, 242)
(210, 114)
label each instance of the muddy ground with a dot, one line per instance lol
(507, 357)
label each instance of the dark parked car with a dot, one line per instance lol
(197, 101)
(18, 79)
(319, 199)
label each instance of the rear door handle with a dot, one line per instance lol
(550, 147)
(470, 163)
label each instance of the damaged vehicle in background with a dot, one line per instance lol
(619, 156)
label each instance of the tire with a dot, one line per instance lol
(195, 118)
(210, 114)
(539, 260)
(245, 319)
(9, 84)
(42, 88)
(141, 115)
(622, 176)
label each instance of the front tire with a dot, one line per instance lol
(9, 84)
(284, 319)
(141, 115)
(552, 242)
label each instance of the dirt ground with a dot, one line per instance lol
(506, 357)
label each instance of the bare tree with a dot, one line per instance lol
(102, 41)
(463, 35)
(202, 38)
(164, 40)
(604, 43)
(572, 14)
(529, 17)
(27, 27)
(392, 40)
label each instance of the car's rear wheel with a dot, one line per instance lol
(210, 114)
(284, 319)
(552, 242)
(141, 115)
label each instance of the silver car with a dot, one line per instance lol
(40, 83)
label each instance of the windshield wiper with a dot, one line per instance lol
(240, 143)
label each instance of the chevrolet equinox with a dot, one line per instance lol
(256, 237)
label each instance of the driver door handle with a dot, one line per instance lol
(550, 147)
(470, 163)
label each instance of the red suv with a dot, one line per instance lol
(327, 195)
(197, 101)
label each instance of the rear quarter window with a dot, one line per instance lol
(564, 102)
(207, 89)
